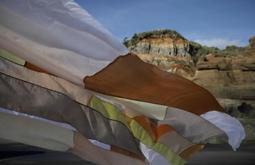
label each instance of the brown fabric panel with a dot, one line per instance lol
(186, 154)
(35, 68)
(129, 77)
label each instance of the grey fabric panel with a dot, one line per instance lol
(32, 131)
(28, 98)
(174, 141)
(50, 82)
(193, 127)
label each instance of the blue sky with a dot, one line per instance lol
(210, 22)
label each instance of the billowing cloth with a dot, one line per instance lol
(231, 126)
(38, 101)
(193, 127)
(40, 132)
(130, 109)
(138, 129)
(129, 77)
(58, 36)
(56, 106)
(185, 129)
(79, 94)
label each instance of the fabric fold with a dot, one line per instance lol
(131, 78)
(60, 37)
(231, 126)
(33, 131)
(42, 102)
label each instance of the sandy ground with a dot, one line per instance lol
(18, 154)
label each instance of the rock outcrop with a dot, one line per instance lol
(232, 81)
(252, 42)
(166, 49)
(159, 42)
(228, 74)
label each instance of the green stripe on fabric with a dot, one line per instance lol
(6, 55)
(141, 134)
(110, 111)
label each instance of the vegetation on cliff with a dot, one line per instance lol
(151, 34)
(195, 50)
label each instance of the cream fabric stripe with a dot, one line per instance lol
(154, 111)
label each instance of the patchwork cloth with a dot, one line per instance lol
(170, 132)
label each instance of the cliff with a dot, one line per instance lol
(160, 42)
(166, 49)
(228, 74)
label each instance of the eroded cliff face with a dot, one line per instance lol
(164, 48)
(230, 78)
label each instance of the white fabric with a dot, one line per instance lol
(153, 157)
(58, 36)
(100, 144)
(231, 126)
(35, 131)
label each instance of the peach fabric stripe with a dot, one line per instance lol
(163, 129)
(35, 68)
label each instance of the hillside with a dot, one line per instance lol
(228, 74)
